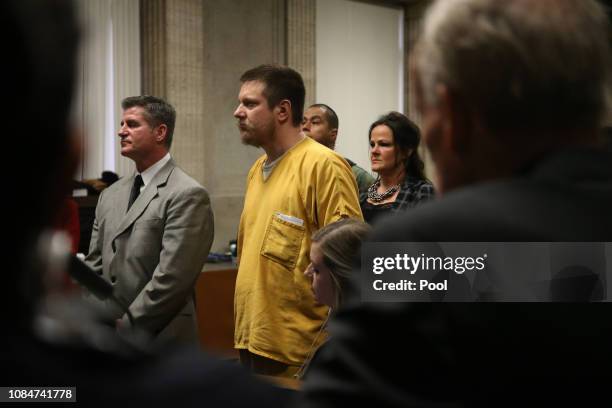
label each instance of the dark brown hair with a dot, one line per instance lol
(406, 136)
(281, 83)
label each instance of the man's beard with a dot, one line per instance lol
(254, 136)
(249, 140)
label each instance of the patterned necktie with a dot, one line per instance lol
(135, 190)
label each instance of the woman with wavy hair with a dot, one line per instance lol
(401, 183)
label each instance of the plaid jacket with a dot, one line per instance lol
(412, 192)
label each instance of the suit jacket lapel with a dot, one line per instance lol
(122, 197)
(143, 200)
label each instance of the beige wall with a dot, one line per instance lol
(301, 43)
(238, 35)
(359, 68)
(193, 53)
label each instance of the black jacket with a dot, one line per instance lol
(482, 354)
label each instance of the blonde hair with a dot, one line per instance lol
(340, 245)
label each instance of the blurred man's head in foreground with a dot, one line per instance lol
(43, 37)
(501, 83)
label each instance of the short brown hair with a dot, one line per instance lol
(281, 83)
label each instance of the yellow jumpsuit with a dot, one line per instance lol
(275, 313)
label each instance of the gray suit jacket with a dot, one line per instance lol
(154, 253)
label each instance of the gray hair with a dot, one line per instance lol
(156, 112)
(520, 63)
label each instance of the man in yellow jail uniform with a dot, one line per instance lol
(297, 187)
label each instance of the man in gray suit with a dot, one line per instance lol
(153, 230)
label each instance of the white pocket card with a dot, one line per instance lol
(290, 219)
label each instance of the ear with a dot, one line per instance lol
(333, 134)
(283, 111)
(160, 133)
(405, 156)
(458, 127)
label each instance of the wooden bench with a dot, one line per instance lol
(215, 309)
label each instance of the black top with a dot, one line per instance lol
(481, 354)
(413, 191)
(372, 212)
(111, 370)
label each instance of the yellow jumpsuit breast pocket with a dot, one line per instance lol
(283, 240)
